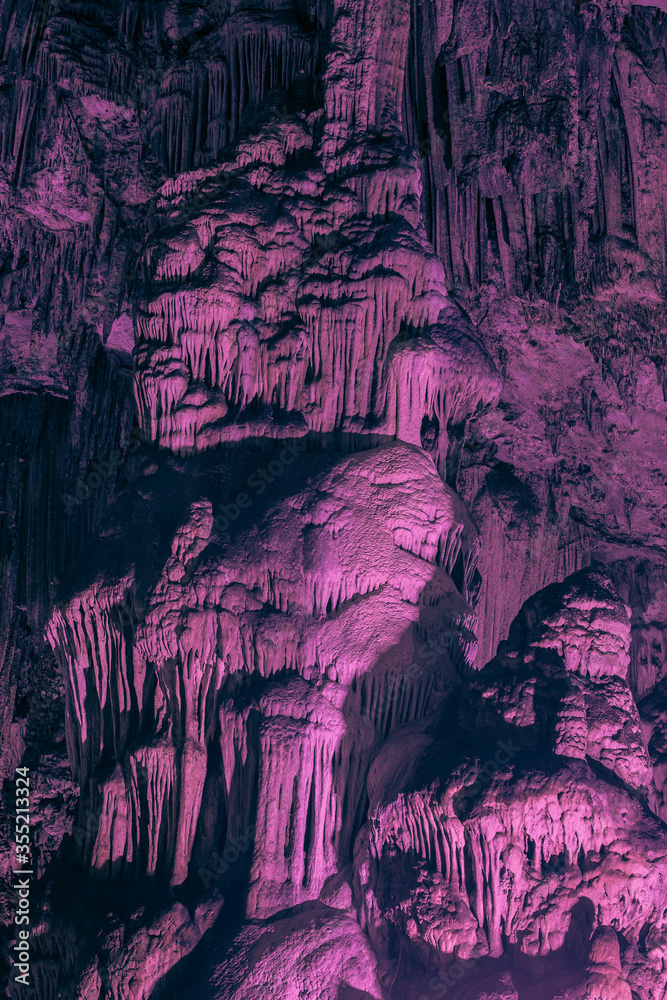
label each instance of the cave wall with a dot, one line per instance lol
(413, 256)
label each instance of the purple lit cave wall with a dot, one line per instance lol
(333, 499)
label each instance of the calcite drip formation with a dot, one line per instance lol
(284, 300)
(292, 781)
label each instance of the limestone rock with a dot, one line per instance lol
(333, 497)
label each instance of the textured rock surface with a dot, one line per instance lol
(244, 639)
(333, 496)
(522, 849)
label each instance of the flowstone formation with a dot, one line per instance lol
(519, 852)
(332, 362)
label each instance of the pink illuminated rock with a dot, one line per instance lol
(142, 961)
(333, 470)
(264, 330)
(245, 630)
(320, 955)
(514, 844)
